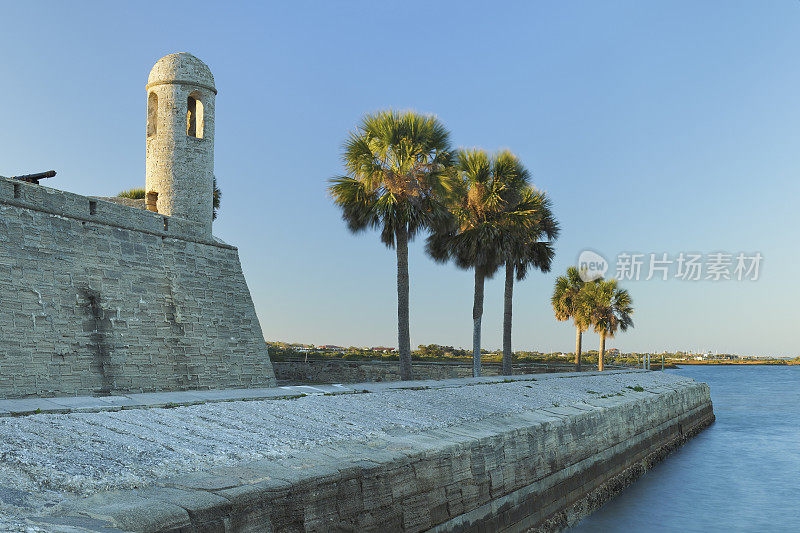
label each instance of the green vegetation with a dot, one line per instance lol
(683, 358)
(395, 165)
(282, 351)
(216, 199)
(139, 194)
(524, 248)
(599, 304)
(133, 194)
(565, 303)
(490, 205)
(637, 388)
(402, 177)
(436, 351)
(607, 308)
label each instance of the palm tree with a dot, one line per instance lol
(395, 165)
(133, 194)
(524, 249)
(217, 197)
(139, 194)
(567, 305)
(485, 200)
(608, 309)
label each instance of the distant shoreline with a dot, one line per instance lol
(732, 363)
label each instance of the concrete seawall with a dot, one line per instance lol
(475, 455)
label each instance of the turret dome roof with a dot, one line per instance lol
(182, 67)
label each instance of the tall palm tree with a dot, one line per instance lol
(525, 248)
(484, 198)
(608, 309)
(567, 305)
(395, 165)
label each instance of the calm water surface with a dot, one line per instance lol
(740, 474)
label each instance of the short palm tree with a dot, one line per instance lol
(484, 198)
(133, 194)
(395, 164)
(216, 198)
(528, 245)
(608, 310)
(567, 305)
(139, 194)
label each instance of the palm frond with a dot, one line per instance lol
(133, 194)
(565, 300)
(397, 174)
(608, 308)
(496, 217)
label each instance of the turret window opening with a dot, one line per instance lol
(194, 116)
(152, 114)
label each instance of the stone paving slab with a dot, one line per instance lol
(79, 402)
(72, 524)
(160, 399)
(224, 395)
(31, 405)
(74, 404)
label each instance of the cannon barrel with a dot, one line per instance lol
(34, 178)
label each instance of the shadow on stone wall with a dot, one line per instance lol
(100, 329)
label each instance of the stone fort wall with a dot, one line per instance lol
(345, 371)
(100, 298)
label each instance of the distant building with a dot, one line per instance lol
(331, 348)
(383, 349)
(301, 347)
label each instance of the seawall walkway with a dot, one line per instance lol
(451, 455)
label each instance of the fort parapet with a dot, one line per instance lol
(99, 297)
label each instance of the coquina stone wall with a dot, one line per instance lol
(344, 371)
(99, 297)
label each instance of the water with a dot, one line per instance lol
(740, 474)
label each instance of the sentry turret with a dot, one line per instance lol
(180, 138)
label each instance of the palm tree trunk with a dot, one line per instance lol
(602, 351)
(477, 314)
(403, 333)
(578, 350)
(507, 304)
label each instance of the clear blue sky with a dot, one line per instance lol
(655, 127)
